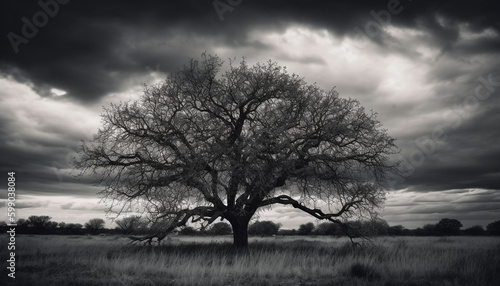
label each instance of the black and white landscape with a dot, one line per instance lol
(250, 142)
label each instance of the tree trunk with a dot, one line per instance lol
(240, 230)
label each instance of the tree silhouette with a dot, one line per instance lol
(494, 228)
(328, 228)
(305, 229)
(73, 228)
(448, 226)
(396, 230)
(220, 228)
(206, 144)
(22, 225)
(475, 230)
(94, 225)
(266, 227)
(372, 227)
(39, 223)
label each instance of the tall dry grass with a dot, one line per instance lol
(79, 260)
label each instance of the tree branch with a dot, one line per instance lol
(208, 214)
(317, 213)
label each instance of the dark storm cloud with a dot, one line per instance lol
(469, 154)
(91, 48)
(39, 151)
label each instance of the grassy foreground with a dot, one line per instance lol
(80, 260)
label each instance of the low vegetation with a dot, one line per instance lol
(299, 260)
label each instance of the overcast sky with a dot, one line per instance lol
(430, 69)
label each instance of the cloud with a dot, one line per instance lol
(414, 209)
(105, 54)
(67, 205)
(31, 204)
(420, 72)
(60, 207)
(39, 137)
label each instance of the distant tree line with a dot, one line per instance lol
(44, 225)
(445, 227)
(135, 225)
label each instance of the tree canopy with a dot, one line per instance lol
(264, 228)
(40, 223)
(220, 228)
(447, 226)
(215, 141)
(306, 229)
(94, 225)
(494, 228)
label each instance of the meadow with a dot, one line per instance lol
(110, 260)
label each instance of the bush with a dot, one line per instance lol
(220, 228)
(265, 228)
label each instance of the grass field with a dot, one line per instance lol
(109, 260)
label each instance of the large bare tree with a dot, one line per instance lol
(215, 141)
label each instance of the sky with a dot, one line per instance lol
(430, 69)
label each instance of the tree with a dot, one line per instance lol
(265, 228)
(327, 228)
(206, 144)
(94, 225)
(220, 228)
(22, 225)
(376, 226)
(494, 228)
(73, 228)
(305, 229)
(396, 230)
(359, 228)
(475, 231)
(39, 223)
(52, 225)
(429, 229)
(22, 222)
(448, 226)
